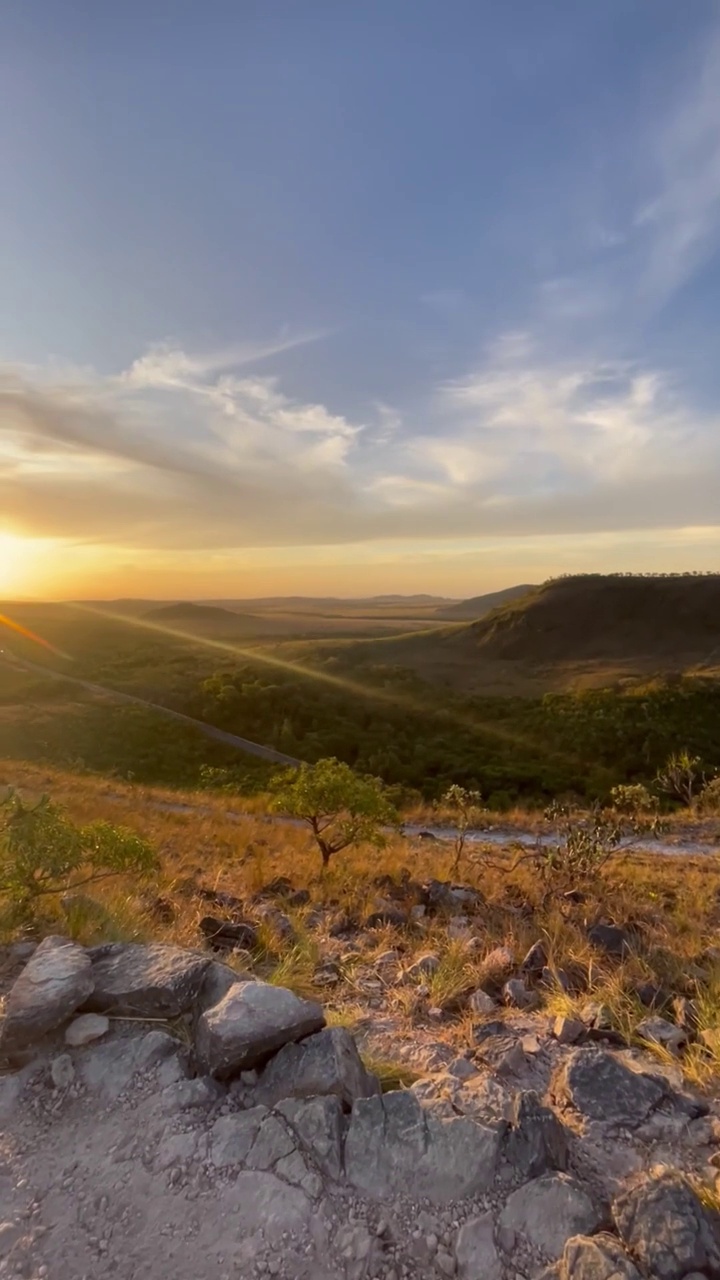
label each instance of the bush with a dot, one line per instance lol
(467, 810)
(43, 851)
(632, 799)
(341, 808)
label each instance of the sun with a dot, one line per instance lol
(15, 558)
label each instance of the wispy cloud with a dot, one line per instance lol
(518, 446)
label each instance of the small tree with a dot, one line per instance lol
(587, 842)
(43, 851)
(681, 777)
(467, 809)
(341, 808)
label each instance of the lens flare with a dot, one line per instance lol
(30, 635)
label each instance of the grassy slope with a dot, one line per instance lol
(673, 904)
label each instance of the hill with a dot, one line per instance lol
(479, 606)
(575, 632)
(211, 620)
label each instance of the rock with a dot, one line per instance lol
(62, 1071)
(187, 1095)
(445, 1263)
(601, 1087)
(516, 993)
(216, 983)
(503, 1053)
(56, 980)
(252, 1021)
(85, 1029)
(568, 1030)
(461, 1069)
(317, 1123)
(327, 974)
(596, 1015)
(153, 981)
(536, 1142)
(481, 1003)
(535, 960)
(280, 924)
(650, 994)
(658, 1030)
(392, 1142)
(228, 935)
(599, 1258)
(557, 978)
(668, 1229)
(425, 966)
(385, 915)
(322, 1064)
(20, 952)
(109, 1068)
(475, 1252)
(611, 939)
(548, 1211)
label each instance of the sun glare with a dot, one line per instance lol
(14, 562)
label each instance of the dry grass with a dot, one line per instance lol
(674, 904)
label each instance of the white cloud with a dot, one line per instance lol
(519, 446)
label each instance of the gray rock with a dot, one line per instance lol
(232, 1137)
(535, 961)
(548, 1211)
(85, 1029)
(611, 939)
(481, 1003)
(186, 1095)
(325, 1063)
(668, 1229)
(317, 1124)
(108, 1068)
(425, 966)
(536, 1142)
(599, 1258)
(568, 1030)
(516, 993)
(475, 1252)
(252, 1021)
(601, 1087)
(265, 1203)
(54, 983)
(62, 1071)
(658, 1030)
(393, 1143)
(218, 980)
(153, 981)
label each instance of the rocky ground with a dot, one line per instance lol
(161, 1118)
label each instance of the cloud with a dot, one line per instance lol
(193, 455)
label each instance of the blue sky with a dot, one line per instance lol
(345, 296)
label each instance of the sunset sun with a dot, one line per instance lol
(15, 556)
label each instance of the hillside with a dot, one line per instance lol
(479, 606)
(573, 632)
(204, 619)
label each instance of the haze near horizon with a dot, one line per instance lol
(356, 300)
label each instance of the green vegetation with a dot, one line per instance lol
(341, 808)
(42, 851)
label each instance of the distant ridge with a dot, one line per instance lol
(479, 606)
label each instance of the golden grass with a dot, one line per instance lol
(674, 903)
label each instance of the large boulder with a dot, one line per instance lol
(668, 1228)
(596, 1258)
(547, 1212)
(601, 1087)
(394, 1147)
(56, 980)
(153, 981)
(326, 1063)
(251, 1022)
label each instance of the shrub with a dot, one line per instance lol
(681, 777)
(43, 851)
(632, 799)
(341, 808)
(587, 842)
(467, 809)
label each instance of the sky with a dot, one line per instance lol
(356, 298)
